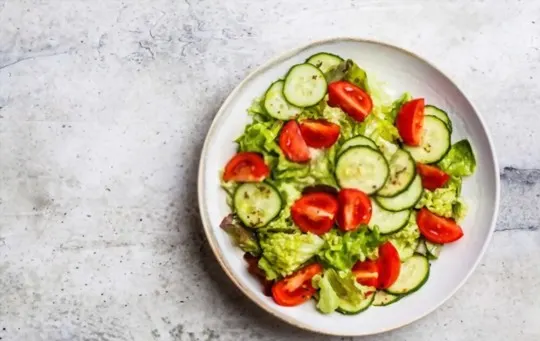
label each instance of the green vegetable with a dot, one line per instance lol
(283, 253)
(459, 210)
(460, 160)
(406, 240)
(328, 298)
(338, 288)
(350, 72)
(445, 201)
(241, 236)
(342, 249)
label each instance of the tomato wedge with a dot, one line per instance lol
(432, 177)
(319, 133)
(366, 273)
(354, 209)
(410, 122)
(296, 288)
(292, 143)
(315, 212)
(246, 167)
(437, 229)
(351, 99)
(389, 265)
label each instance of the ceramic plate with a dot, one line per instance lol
(402, 71)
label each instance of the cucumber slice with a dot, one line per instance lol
(421, 248)
(383, 298)
(433, 250)
(276, 105)
(324, 61)
(304, 86)
(404, 200)
(413, 274)
(431, 110)
(359, 140)
(435, 142)
(388, 221)
(402, 173)
(347, 308)
(362, 168)
(257, 203)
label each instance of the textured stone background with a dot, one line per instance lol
(103, 109)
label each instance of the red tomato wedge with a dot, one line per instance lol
(351, 99)
(432, 177)
(389, 265)
(296, 288)
(292, 143)
(354, 209)
(315, 212)
(437, 229)
(319, 133)
(410, 122)
(366, 273)
(246, 167)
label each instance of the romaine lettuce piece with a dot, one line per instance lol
(339, 288)
(342, 249)
(445, 201)
(283, 253)
(460, 160)
(406, 240)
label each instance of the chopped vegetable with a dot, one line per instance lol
(460, 160)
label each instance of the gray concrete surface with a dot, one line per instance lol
(103, 109)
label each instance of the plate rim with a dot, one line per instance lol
(218, 253)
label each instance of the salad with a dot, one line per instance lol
(340, 192)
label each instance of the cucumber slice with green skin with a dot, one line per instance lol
(347, 308)
(362, 168)
(304, 86)
(435, 141)
(388, 221)
(421, 248)
(359, 140)
(431, 110)
(413, 274)
(402, 173)
(383, 298)
(324, 61)
(257, 203)
(404, 200)
(276, 105)
(433, 250)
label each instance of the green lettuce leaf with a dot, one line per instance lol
(283, 253)
(338, 287)
(342, 249)
(459, 210)
(445, 201)
(350, 72)
(406, 240)
(460, 160)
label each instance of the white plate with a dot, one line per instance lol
(402, 71)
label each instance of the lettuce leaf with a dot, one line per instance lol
(406, 240)
(338, 287)
(283, 253)
(342, 249)
(350, 72)
(460, 160)
(445, 201)
(241, 236)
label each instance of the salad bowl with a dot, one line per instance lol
(398, 71)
